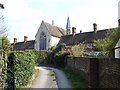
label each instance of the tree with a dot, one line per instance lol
(6, 48)
(3, 29)
(107, 44)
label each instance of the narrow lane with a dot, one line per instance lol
(51, 78)
(44, 79)
(61, 79)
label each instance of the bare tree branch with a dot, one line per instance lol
(3, 29)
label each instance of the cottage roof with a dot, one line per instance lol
(86, 37)
(24, 45)
(54, 30)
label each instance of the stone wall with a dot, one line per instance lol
(79, 67)
(99, 72)
(109, 73)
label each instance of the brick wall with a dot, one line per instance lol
(99, 72)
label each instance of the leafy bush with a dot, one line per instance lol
(107, 44)
(41, 57)
(20, 68)
(78, 50)
(57, 57)
(60, 58)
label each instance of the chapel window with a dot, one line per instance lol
(42, 41)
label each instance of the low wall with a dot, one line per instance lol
(99, 72)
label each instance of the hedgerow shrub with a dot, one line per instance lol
(60, 59)
(41, 57)
(57, 57)
(20, 68)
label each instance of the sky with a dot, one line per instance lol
(23, 17)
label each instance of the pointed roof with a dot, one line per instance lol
(68, 23)
(54, 30)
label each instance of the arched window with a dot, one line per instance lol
(42, 41)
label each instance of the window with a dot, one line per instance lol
(42, 42)
(89, 45)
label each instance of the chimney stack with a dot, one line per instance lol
(118, 22)
(25, 39)
(15, 40)
(52, 22)
(95, 27)
(80, 31)
(119, 14)
(73, 31)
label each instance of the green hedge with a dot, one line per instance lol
(60, 59)
(41, 57)
(20, 68)
(57, 58)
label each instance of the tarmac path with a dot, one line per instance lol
(51, 78)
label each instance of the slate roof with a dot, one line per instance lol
(86, 37)
(23, 46)
(54, 30)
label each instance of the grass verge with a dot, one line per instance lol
(76, 79)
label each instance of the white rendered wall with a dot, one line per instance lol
(117, 51)
(118, 10)
(54, 40)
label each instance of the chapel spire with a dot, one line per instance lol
(68, 26)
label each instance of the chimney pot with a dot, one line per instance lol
(25, 39)
(95, 27)
(15, 40)
(52, 22)
(80, 31)
(118, 22)
(73, 31)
